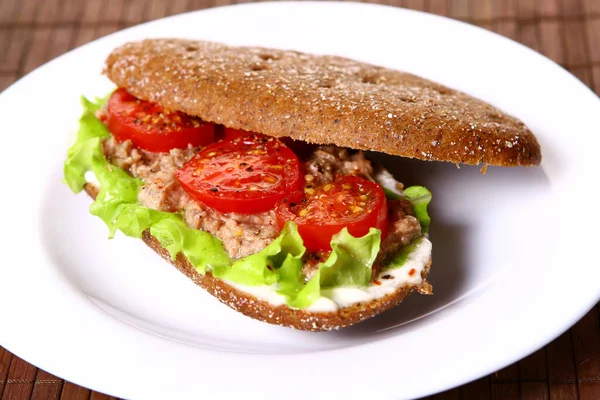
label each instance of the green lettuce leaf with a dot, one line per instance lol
(298, 293)
(292, 284)
(351, 259)
(202, 249)
(87, 146)
(349, 264)
(134, 219)
(419, 197)
(262, 268)
(117, 189)
(96, 104)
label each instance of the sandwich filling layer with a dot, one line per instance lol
(254, 251)
(245, 234)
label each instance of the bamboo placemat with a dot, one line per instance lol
(568, 31)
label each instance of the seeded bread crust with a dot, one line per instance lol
(321, 99)
(281, 315)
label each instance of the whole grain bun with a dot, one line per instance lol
(321, 99)
(282, 315)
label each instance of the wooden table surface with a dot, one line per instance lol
(568, 31)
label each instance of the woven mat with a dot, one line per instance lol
(568, 31)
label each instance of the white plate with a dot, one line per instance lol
(515, 257)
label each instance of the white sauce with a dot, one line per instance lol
(90, 177)
(387, 180)
(332, 299)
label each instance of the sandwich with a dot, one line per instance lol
(245, 168)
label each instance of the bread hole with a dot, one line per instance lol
(191, 48)
(441, 90)
(373, 79)
(268, 57)
(259, 67)
(325, 84)
(407, 99)
(494, 116)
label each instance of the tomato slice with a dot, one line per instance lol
(350, 201)
(244, 175)
(298, 147)
(150, 127)
(231, 134)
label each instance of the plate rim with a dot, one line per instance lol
(15, 86)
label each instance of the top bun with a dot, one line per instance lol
(321, 99)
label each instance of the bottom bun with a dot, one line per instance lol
(283, 315)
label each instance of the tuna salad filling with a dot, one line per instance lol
(246, 234)
(304, 225)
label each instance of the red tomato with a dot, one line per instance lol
(350, 201)
(152, 128)
(230, 133)
(297, 146)
(245, 175)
